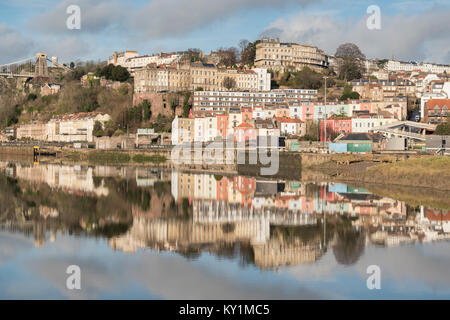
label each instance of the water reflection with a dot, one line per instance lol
(261, 222)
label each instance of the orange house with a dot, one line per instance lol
(222, 125)
(282, 112)
(244, 132)
(247, 114)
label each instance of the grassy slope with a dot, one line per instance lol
(428, 172)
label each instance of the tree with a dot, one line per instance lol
(349, 50)
(112, 72)
(192, 55)
(350, 68)
(32, 97)
(443, 129)
(98, 129)
(229, 83)
(306, 79)
(186, 105)
(72, 65)
(228, 57)
(243, 44)
(312, 131)
(119, 73)
(248, 53)
(381, 63)
(146, 109)
(350, 61)
(174, 105)
(348, 93)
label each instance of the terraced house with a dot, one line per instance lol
(276, 55)
(198, 76)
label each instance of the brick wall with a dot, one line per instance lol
(161, 102)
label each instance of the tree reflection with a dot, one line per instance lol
(349, 243)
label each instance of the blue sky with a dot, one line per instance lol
(29, 272)
(410, 30)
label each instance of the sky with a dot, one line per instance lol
(416, 30)
(29, 272)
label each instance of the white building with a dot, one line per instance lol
(182, 130)
(77, 127)
(120, 58)
(367, 122)
(292, 126)
(296, 111)
(264, 79)
(159, 59)
(394, 65)
(132, 61)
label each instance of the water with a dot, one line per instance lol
(151, 234)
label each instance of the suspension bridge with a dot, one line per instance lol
(30, 67)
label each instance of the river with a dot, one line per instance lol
(147, 233)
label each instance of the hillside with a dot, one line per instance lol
(21, 102)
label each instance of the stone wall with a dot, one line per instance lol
(161, 102)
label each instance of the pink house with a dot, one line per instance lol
(336, 124)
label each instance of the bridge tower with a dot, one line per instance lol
(41, 69)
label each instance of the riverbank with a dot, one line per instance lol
(429, 172)
(415, 170)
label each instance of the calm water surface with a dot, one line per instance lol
(151, 234)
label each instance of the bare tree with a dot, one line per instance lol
(228, 57)
(350, 59)
(349, 50)
(229, 83)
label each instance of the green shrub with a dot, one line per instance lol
(140, 158)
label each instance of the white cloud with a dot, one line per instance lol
(96, 16)
(66, 48)
(157, 19)
(424, 36)
(13, 45)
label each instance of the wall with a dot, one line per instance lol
(161, 102)
(396, 144)
(359, 147)
(337, 147)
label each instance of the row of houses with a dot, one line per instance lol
(395, 65)
(132, 61)
(382, 89)
(292, 103)
(77, 127)
(248, 123)
(193, 76)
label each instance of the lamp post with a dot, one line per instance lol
(325, 109)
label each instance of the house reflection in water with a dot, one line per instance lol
(266, 222)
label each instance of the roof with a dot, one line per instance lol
(202, 65)
(289, 120)
(438, 102)
(245, 125)
(264, 124)
(356, 137)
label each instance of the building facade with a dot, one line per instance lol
(437, 111)
(276, 55)
(217, 102)
(395, 65)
